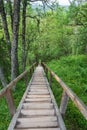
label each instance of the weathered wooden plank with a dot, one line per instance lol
(37, 90)
(37, 106)
(40, 129)
(64, 102)
(38, 96)
(38, 85)
(26, 125)
(10, 102)
(38, 119)
(38, 100)
(50, 80)
(38, 112)
(39, 93)
(38, 80)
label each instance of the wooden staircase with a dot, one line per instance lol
(37, 109)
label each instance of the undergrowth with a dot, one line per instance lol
(73, 71)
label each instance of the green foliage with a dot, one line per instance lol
(73, 71)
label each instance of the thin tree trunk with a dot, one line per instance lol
(24, 35)
(14, 48)
(2, 77)
(11, 12)
(5, 25)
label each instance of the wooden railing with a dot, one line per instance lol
(7, 91)
(67, 94)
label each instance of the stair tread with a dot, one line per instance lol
(39, 129)
(37, 105)
(38, 100)
(38, 112)
(23, 124)
(38, 119)
(38, 96)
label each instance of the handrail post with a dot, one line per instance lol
(26, 80)
(47, 73)
(32, 69)
(50, 80)
(10, 102)
(64, 102)
(30, 72)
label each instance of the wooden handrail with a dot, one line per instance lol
(7, 91)
(67, 93)
(13, 83)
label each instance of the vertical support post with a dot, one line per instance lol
(50, 80)
(64, 102)
(33, 68)
(26, 80)
(43, 67)
(47, 72)
(30, 72)
(10, 102)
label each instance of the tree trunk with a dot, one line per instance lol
(24, 35)
(2, 77)
(10, 12)
(14, 48)
(5, 25)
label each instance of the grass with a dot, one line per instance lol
(5, 117)
(73, 71)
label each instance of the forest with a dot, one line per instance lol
(42, 30)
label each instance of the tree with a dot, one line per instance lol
(10, 12)
(24, 2)
(14, 47)
(5, 25)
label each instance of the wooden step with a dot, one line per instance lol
(38, 112)
(40, 89)
(37, 90)
(38, 96)
(38, 93)
(35, 85)
(37, 106)
(39, 83)
(26, 125)
(38, 100)
(39, 129)
(38, 80)
(38, 119)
